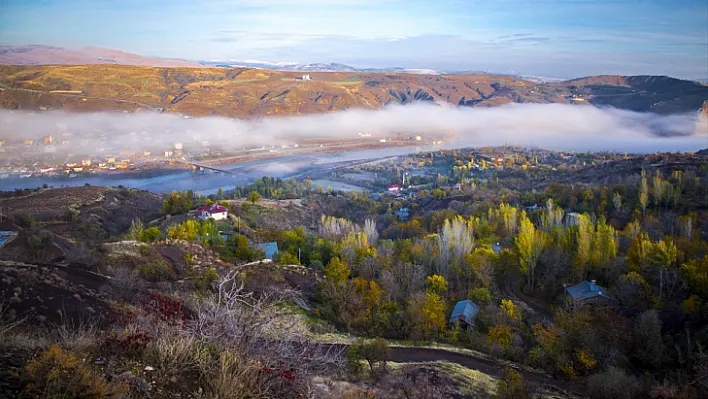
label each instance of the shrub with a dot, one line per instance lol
(126, 284)
(58, 374)
(83, 257)
(151, 234)
(512, 386)
(288, 259)
(153, 271)
(128, 343)
(375, 351)
(173, 353)
(206, 279)
(612, 383)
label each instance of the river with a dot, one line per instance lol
(167, 180)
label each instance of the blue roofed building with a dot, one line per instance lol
(464, 313)
(497, 248)
(588, 292)
(269, 248)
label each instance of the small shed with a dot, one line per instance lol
(464, 313)
(269, 248)
(588, 292)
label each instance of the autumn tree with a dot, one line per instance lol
(644, 193)
(427, 313)
(436, 284)
(530, 243)
(337, 271)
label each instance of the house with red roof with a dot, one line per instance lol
(216, 212)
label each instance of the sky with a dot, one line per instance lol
(546, 38)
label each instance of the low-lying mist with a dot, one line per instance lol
(551, 126)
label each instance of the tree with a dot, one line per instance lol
(436, 284)
(695, 271)
(337, 271)
(500, 335)
(177, 202)
(530, 243)
(604, 246)
(374, 351)
(428, 315)
(480, 295)
(617, 202)
(510, 309)
(644, 193)
(583, 238)
(254, 196)
(648, 343)
(455, 240)
(188, 231)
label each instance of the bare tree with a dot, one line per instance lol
(370, 230)
(455, 240)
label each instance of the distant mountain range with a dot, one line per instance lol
(314, 67)
(48, 55)
(337, 67)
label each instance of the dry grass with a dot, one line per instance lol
(59, 374)
(257, 92)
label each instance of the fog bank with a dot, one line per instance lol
(552, 126)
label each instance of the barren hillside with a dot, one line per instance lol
(248, 93)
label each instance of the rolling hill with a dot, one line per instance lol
(48, 55)
(251, 93)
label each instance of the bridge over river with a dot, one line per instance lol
(200, 167)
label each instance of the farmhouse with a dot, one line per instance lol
(216, 212)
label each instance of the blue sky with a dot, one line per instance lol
(552, 38)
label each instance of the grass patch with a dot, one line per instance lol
(347, 83)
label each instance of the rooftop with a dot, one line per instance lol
(585, 290)
(464, 311)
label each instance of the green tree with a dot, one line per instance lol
(177, 202)
(254, 196)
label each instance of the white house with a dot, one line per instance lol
(216, 212)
